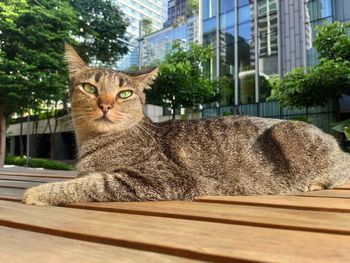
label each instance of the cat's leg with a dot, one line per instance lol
(93, 187)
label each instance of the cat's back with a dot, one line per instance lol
(258, 154)
(210, 130)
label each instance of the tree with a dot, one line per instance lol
(329, 79)
(146, 25)
(180, 81)
(192, 7)
(100, 24)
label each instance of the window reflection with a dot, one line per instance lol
(245, 31)
(246, 56)
(319, 9)
(226, 5)
(209, 9)
(244, 14)
(227, 19)
(316, 13)
(267, 47)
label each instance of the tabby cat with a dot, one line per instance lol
(123, 156)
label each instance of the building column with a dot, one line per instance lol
(236, 54)
(303, 33)
(256, 51)
(279, 40)
(217, 38)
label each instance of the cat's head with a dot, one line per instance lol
(104, 100)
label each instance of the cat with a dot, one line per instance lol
(123, 156)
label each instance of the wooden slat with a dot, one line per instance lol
(291, 202)
(343, 187)
(18, 184)
(13, 193)
(38, 175)
(328, 193)
(36, 171)
(25, 246)
(324, 222)
(187, 238)
(31, 179)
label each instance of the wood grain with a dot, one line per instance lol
(342, 187)
(324, 222)
(192, 239)
(31, 179)
(24, 246)
(39, 175)
(18, 184)
(11, 192)
(287, 202)
(328, 193)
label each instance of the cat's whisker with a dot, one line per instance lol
(142, 128)
(138, 133)
(63, 117)
(148, 129)
(149, 123)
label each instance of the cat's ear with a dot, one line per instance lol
(145, 78)
(74, 62)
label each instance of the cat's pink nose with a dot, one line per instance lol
(105, 103)
(105, 107)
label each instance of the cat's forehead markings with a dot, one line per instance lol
(98, 75)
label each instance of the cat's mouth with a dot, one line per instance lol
(104, 119)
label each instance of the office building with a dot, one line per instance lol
(176, 10)
(158, 44)
(135, 11)
(254, 39)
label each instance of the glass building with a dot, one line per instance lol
(158, 44)
(254, 39)
(135, 11)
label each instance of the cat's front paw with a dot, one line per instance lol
(35, 196)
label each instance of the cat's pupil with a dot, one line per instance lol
(125, 94)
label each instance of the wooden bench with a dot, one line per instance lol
(308, 227)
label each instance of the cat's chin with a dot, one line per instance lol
(104, 125)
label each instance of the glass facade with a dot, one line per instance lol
(228, 49)
(342, 10)
(316, 13)
(136, 10)
(157, 45)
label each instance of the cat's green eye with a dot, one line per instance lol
(125, 94)
(90, 89)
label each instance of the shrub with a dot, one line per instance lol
(38, 163)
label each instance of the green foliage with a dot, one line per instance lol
(32, 68)
(147, 26)
(347, 132)
(38, 163)
(224, 90)
(298, 88)
(332, 41)
(302, 118)
(342, 127)
(180, 81)
(100, 24)
(316, 85)
(192, 7)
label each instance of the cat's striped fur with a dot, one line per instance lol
(129, 158)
